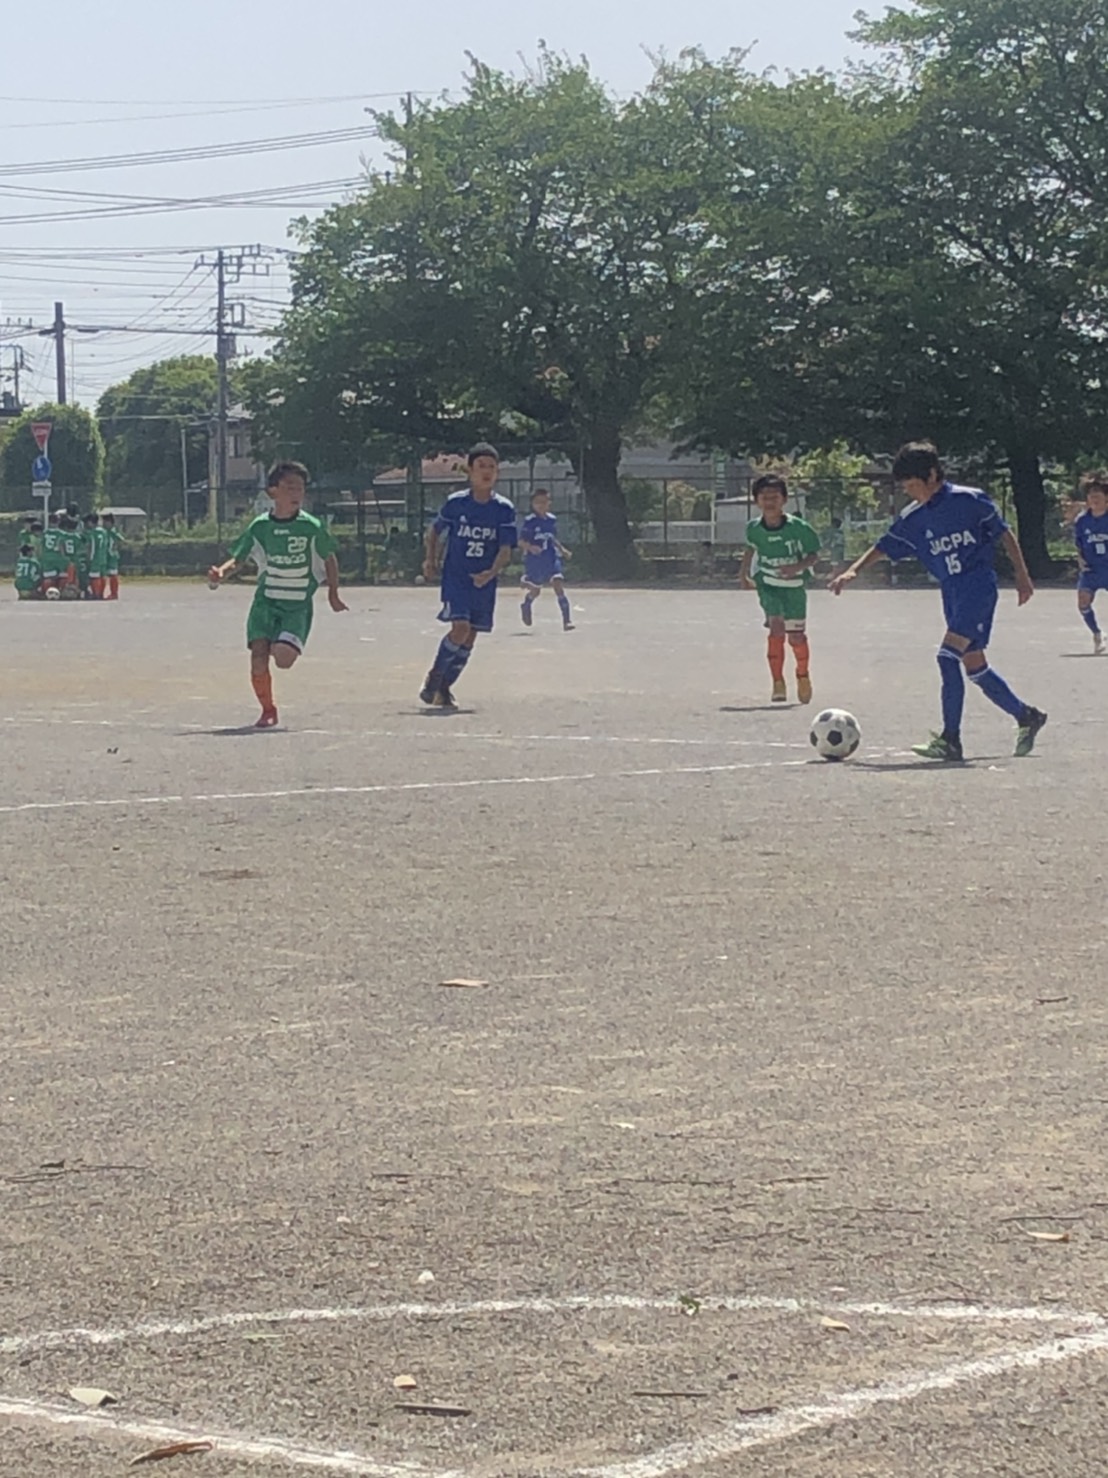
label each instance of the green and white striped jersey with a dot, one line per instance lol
(290, 553)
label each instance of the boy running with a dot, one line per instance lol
(787, 549)
(28, 574)
(294, 554)
(542, 558)
(1090, 534)
(115, 542)
(478, 528)
(952, 531)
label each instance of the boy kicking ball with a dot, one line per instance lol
(787, 548)
(1090, 534)
(953, 532)
(294, 554)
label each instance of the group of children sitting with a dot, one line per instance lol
(71, 557)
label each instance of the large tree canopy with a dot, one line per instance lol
(141, 420)
(76, 451)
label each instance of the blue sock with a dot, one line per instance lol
(563, 606)
(529, 598)
(954, 691)
(997, 691)
(1089, 618)
(456, 665)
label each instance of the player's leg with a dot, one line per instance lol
(973, 626)
(531, 593)
(775, 640)
(1086, 594)
(261, 680)
(113, 584)
(451, 657)
(563, 602)
(948, 744)
(794, 603)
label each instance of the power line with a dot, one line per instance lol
(241, 148)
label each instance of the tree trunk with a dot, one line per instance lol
(1029, 496)
(599, 476)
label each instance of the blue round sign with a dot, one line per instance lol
(41, 468)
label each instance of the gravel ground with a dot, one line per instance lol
(755, 1027)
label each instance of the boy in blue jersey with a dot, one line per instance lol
(1090, 534)
(952, 531)
(542, 558)
(474, 534)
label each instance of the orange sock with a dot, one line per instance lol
(802, 653)
(97, 584)
(775, 651)
(263, 687)
(113, 582)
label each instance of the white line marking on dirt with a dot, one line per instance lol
(265, 1448)
(117, 802)
(740, 1436)
(19, 1344)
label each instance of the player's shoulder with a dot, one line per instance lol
(1083, 520)
(311, 520)
(979, 496)
(504, 504)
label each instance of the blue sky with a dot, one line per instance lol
(130, 76)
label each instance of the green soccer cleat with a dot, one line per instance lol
(1031, 722)
(938, 747)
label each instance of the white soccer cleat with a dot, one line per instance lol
(1098, 644)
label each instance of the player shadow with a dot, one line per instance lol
(759, 707)
(1082, 656)
(892, 767)
(437, 715)
(240, 732)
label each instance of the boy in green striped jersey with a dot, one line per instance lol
(787, 548)
(294, 554)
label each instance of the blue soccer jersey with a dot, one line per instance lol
(952, 535)
(541, 530)
(1090, 534)
(475, 534)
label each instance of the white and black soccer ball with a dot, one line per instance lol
(53, 593)
(835, 734)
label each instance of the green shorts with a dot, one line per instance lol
(279, 620)
(789, 602)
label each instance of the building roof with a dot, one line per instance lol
(124, 512)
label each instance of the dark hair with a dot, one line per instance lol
(91, 519)
(73, 510)
(109, 518)
(26, 549)
(482, 449)
(917, 459)
(1094, 482)
(55, 518)
(35, 525)
(768, 481)
(286, 469)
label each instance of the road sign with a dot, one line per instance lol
(41, 430)
(43, 490)
(41, 468)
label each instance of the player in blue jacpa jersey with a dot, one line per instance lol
(542, 558)
(953, 532)
(478, 527)
(1090, 534)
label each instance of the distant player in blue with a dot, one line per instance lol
(953, 532)
(478, 529)
(542, 558)
(1090, 534)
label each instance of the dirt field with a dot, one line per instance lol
(753, 1154)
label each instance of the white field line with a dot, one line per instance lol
(51, 1339)
(254, 1448)
(846, 1406)
(301, 793)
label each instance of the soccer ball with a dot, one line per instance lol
(835, 734)
(53, 593)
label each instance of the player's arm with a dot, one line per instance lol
(228, 567)
(809, 559)
(501, 562)
(872, 556)
(1025, 589)
(331, 566)
(563, 551)
(745, 582)
(432, 548)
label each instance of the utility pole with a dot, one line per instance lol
(217, 495)
(59, 350)
(413, 479)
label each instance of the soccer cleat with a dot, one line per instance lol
(430, 690)
(525, 612)
(938, 747)
(1031, 722)
(780, 693)
(567, 626)
(804, 689)
(268, 719)
(445, 698)
(1098, 644)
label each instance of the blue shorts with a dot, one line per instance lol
(540, 569)
(969, 607)
(464, 601)
(1092, 580)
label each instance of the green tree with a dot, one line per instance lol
(521, 265)
(76, 451)
(141, 421)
